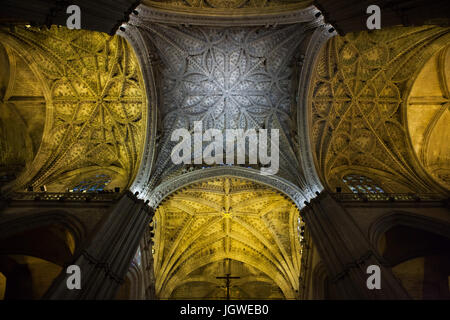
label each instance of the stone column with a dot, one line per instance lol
(106, 259)
(346, 252)
(147, 266)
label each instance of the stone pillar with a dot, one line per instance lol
(346, 252)
(147, 267)
(106, 259)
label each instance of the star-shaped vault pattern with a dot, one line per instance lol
(228, 78)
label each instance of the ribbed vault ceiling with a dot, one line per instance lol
(428, 116)
(358, 96)
(225, 226)
(227, 78)
(79, 99)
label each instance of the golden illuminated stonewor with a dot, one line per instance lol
(86, 176)
(429, 116)
(227, 226)
(357, 98)
(81, 104)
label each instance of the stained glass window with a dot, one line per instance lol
(362, 184)
(94, 184)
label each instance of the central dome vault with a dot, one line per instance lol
(239, 73)
(228, 78)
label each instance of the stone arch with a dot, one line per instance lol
(22, 71)
(147, 60)
(426, 110)
(23, 222)
(318, 40)
(404, 218)
(416, 249)
(291, 190)
(34, 249)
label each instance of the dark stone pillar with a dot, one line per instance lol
(345, 252)
(107, 258)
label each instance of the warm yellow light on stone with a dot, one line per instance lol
(2, 286)
(227, 226)
(84, 105)
(429, 116)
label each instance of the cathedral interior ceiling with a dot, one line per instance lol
(226, 226)
(74, 104)
(358, 96)
(86, 94)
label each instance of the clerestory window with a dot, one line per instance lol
(94, 184)
(362, 184)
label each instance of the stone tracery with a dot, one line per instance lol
(357, 99)
(96, 108)
(228, 79)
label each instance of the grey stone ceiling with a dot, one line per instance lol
(229, 72)
(228, 78)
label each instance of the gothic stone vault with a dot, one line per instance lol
(87, 95)
(227, 226)
(227, 77)
(365, 113)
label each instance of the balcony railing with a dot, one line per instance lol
(365, 197)
(68, 196)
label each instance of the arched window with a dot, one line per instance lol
(362, 184)
(300, 230)
(137, 257)
(94, 184)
